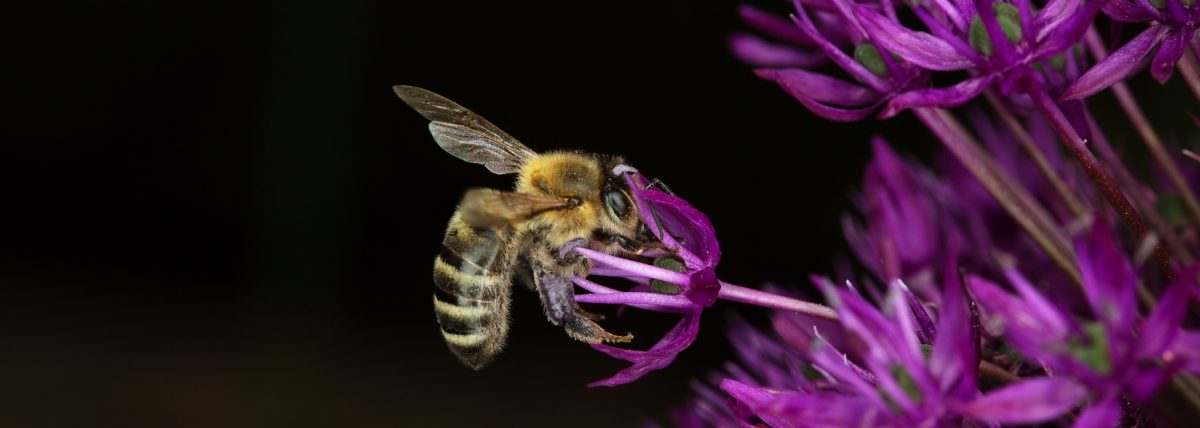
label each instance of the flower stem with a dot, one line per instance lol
(1133, 189)
(750, 296)
(1051, 176)
(1135, 114)
(1015, 200)
(1190, 70)
(1112, 194)
(997, 374)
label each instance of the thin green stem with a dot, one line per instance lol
(1047, 170)
(1142, 124)
(1112, 194)
(1133, 188)
(1190, 70)
(750, 296)
(1015, 200)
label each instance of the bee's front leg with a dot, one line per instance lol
(558, 300)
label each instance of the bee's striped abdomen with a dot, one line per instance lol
(471, 294)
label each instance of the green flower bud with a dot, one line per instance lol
(867, 55)
(1009, 19)
(673, 264)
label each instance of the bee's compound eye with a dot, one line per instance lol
(617, 202)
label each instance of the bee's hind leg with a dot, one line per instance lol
(558, 299)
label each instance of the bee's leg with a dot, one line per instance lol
(558, 299)
(580, 312)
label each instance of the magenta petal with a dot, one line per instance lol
(1101, 414)
(939, 97)
(1160, 327)
(1168, 54)
(822, 409)
(1069, 32)
(1108, 279)
(917, 47)
(1055, 12)
(1118, 65)
(955, 355)
(753, 399)
(820, 87)
(1027, 402)
(827, 112)
(756, 51)
(1149, 381)
(1186, 347)
(773, 25)
(1127, 11)
(681, 220)
(856, 70)
(657, 357)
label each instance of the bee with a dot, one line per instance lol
(562, 200)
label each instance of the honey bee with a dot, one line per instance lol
(561, 200)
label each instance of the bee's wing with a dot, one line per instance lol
(489, 208)
(465, 134)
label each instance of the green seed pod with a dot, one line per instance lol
(867, 55)
(673, 264)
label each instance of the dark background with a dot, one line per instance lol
(216, 213)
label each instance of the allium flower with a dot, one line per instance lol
(995, 41)
(892, 376)
(880, 77)
(1115, 354)
(681, 280)
(1173, 26)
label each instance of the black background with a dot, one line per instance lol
(216, 213)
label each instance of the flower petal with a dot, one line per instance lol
(1051, 16)
(774, 26)
(1118, 64)
(1069, 32)
(1108, 279)
(1160, 327)
(1168, 54)
(820, 87)
(955, 355)
(827, 112)
(1101, 414)
(920, 48)
(657, 357)
(835, 54)
(1127, 11)
(1186, 348)
(823, 410)
(758, 52)
(752, 399)
(1027, 402)
(939, 97)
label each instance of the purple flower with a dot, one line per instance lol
(822, 35)
(1113, 353)
(996, 41)
(1173, 25)
(681, 280)
(883, 369)
(903, 234)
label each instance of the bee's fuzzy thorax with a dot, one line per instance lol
(568, 175)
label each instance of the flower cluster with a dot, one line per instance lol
(1017, 280)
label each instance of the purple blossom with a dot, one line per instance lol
(689, 237)
(819, 36)
(881, 372)
(995, 41)
(1113, 353)
(1173, 26)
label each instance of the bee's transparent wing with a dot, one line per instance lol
(465, 134)
(490, 209)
